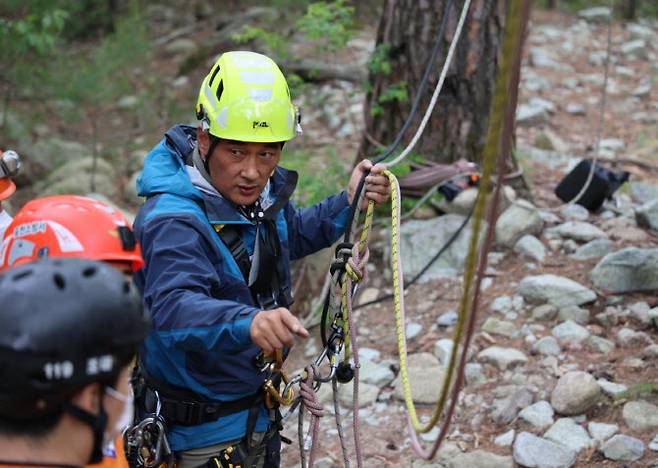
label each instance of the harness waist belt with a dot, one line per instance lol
(189, 412)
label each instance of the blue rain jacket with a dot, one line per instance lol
(201, 305)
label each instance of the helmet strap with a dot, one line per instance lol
(97, 423)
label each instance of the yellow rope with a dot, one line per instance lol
(489, 160)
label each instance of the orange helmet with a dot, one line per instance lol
(69, 226)
(10, 163)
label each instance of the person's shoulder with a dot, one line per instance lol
(169, 206)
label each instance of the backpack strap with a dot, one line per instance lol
(229, 234)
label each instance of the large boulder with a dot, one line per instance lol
(556, 290)
(75, 178)
(421, 239)
(578, 230)
(519, 219)
(47, 154)
(627, 270)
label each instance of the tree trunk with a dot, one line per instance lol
(630, 12)
(458, 126)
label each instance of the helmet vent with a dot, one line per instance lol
(89, 272)
(59, 281)
(22, 275)
(220, 89)
(126, 287)
(214, 74)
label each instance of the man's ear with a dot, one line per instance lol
(203, 141)
(88, 398)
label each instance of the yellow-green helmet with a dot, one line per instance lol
(245, 97)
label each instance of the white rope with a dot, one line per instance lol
(437, 90)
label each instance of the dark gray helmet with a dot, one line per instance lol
(64, 323)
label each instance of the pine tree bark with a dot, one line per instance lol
(458, 126)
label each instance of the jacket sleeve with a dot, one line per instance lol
(179, 279)
(316, 227)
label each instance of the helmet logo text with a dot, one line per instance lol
(259, 124)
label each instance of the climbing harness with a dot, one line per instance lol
(146, 444)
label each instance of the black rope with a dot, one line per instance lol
(429, 264)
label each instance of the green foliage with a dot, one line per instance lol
(379, 61)
(395, 92)
(103, 73)
(274, 41)
(328, 23)
(318, 177)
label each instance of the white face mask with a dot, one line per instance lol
(125, 418)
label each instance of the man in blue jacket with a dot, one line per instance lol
(218, 232)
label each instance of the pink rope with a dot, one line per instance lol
(358, 265)
(314, 406)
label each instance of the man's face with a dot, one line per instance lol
(240, 170)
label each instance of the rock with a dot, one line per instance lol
(375, 374)
(368, 354)
(530, 116)
(413, 329)
(182, 46)
(622, 447)
(519, 219)
(653, 315)
(531, 247)
(128, 102)
(629, 234)
(367, 295)
(640, 311)
(535, 452)
(610, 388)
(600, 344)
(640, 415)
(506, 439)
(651, 351)
(443, 350)
(47, 154)
(424, 371)
(569, 246)
(576, 109)
(544, 312)
(653, 445)
(635, 49)
(479, 459)
(555, 290)
(75, 178)
(643, 192)
(474, 374)
(647, 215)
(540, 58)
(627, 270)
(367, 395)
(566, 432)
(547, 345)
(538, 414)
(601, 432)
(595, 14)
(499, 327)
(628, 337)
(447, 319)
(613, 144)
(570, 332)
(575, 393)
(642, 91)
(578, 230)
(638, 31)
(593, 249)
(575, 314)
(502, 358)
(574, 212)
(502, 304)
(507, 409)
(418, 237)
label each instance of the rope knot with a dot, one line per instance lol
(308, 395)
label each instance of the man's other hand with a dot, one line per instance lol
(274, 329)
(377, 186)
